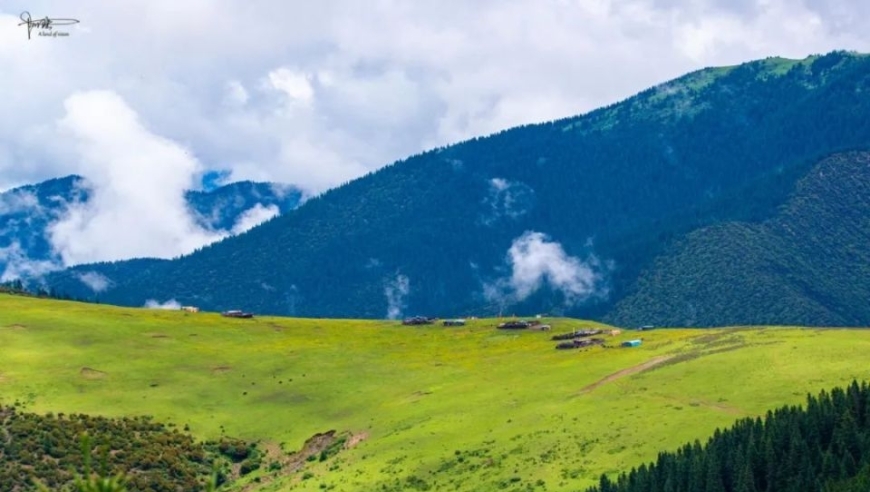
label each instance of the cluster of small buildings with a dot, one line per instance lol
(233, 313)
(522, 325)
(579, 338)
(423, 320)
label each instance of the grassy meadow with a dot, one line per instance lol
(430, 408)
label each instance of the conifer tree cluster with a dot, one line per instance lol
(823, 447)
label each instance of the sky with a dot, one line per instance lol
(144, 97)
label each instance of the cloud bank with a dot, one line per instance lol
(536, 261)
(254, 216)
(323, 93)
(95, 281)
(136, 185)
(171, 304)
(19, 265)
(138, 180)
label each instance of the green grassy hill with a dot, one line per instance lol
(468, 408)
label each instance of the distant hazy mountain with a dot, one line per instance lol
(636, 213)
(27, 212)
(221, 208)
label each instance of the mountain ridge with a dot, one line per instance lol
(618, 185)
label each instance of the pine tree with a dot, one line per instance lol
(745, 481)
(713, 479)
(605, 485)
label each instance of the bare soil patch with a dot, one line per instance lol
(16, 327)
(220, 369)
(627, 372)
(724, 408)
(90, 373)
(293, 462)
(159, 335)
(356, 439)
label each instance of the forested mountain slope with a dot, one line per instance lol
(807, 265)
(557, 217)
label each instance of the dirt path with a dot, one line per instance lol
(724, 408)
(626, 372)
(294, 462)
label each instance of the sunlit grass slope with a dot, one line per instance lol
(468, 408)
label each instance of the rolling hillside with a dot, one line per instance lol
(469, 408)
(561, 217)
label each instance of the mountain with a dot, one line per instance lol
(807, 264)
(27, 212)
(560, 217)
(221, 208)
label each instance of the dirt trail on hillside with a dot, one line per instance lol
(724, 408)
(294, 462)
(90, 373)
(627, 372)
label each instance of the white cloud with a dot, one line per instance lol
(282, 190)
(18, 201)
(535, 260)
(138, 180)
(171, 304)
(296, 86)
(253, 217)
(19, 265)
(236, 94)
(321, 92)
(96, 281)
(396, 291)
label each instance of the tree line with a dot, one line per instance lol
(824, 446)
